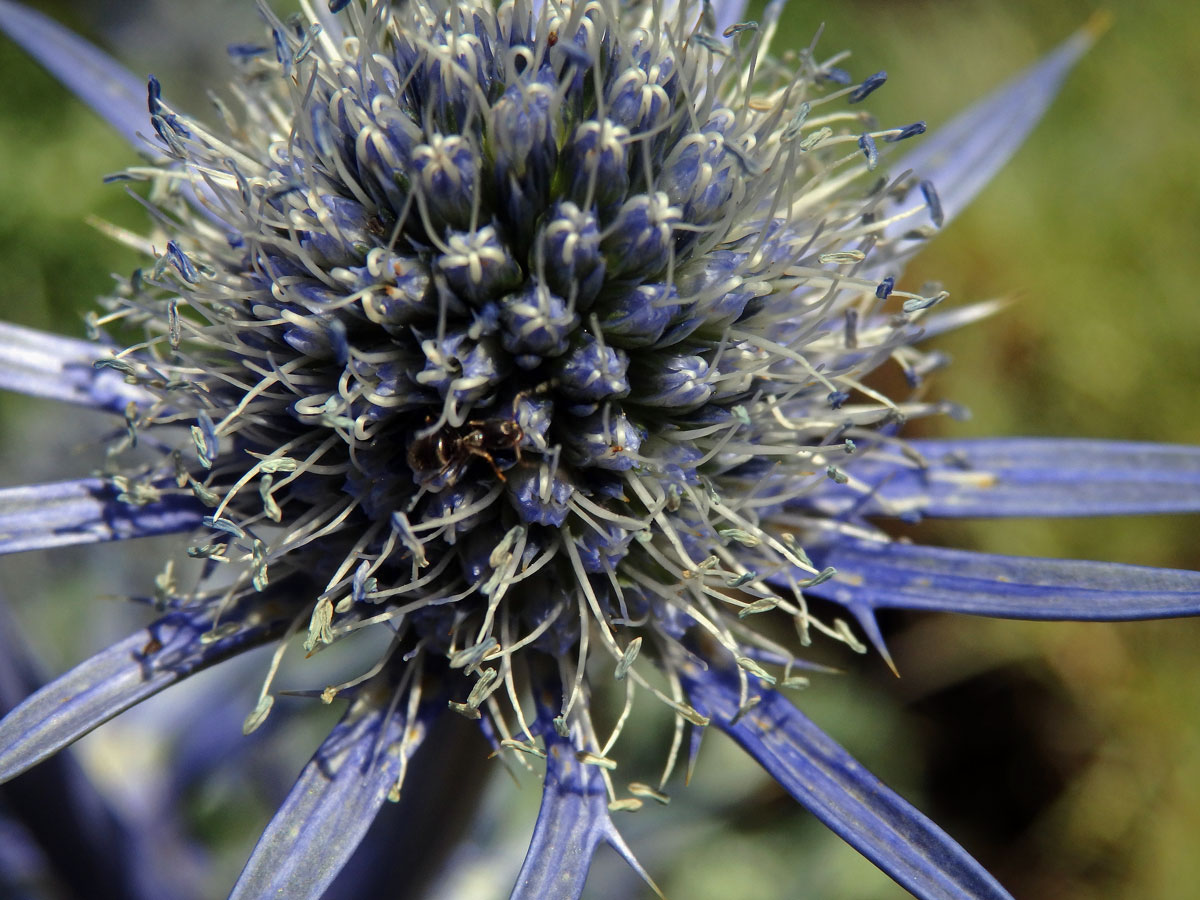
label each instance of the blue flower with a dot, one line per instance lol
(538, 339)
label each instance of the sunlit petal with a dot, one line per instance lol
(86, 511)
(879, 575)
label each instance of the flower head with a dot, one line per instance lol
(541, 338)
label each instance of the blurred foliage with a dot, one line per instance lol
(1063, 756)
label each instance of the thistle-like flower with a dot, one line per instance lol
(540, 338)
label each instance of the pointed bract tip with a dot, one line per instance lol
(1095, 27)
(866, 620)
(887, 658)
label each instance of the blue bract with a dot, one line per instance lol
(538, 336)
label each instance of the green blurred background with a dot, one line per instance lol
(1065, 756)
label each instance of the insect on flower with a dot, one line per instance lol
(446, 451)
(537, 339)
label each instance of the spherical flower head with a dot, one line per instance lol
(524, 333)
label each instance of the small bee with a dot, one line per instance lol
(446, 452)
